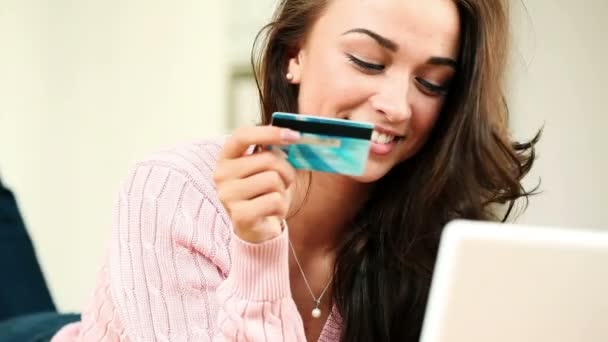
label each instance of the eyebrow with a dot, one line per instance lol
(384, 42)
(442, 61)
(394, 47)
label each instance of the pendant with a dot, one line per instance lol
(316, 312)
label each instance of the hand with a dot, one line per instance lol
(254, 188)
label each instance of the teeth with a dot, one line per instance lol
(381, 138)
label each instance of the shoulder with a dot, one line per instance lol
(180, 176)
(192, 163)
(174, 188)
(195, 161)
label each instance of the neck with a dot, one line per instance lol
(323, 206)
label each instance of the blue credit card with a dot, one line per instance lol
(327, 145)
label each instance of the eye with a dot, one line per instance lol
(432, 89)
(365, 66)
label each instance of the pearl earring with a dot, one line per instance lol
(289, 77)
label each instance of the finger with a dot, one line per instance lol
(252, 164)
(251, 187)
(247, 213)
(279, 153)
(243, 138)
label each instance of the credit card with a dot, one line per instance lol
(326, 144)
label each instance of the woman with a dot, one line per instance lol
(214, 242)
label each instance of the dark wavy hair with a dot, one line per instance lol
(469, 168)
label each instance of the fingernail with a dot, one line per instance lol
(288, 135)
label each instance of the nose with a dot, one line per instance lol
(392, 101)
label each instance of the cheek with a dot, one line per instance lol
(424, 118)
(421, 125)
(330, 86)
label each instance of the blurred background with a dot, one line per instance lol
(89, 87)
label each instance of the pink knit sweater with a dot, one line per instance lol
(176, 272)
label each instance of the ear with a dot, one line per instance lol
(294, 68)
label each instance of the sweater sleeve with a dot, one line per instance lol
(256, 297)
(172, 278)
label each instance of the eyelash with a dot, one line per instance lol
(429, 88)
(370, 67)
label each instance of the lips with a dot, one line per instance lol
(382, 149)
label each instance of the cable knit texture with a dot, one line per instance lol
(174, 270)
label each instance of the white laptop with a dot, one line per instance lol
(515, 283)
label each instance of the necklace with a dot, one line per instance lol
(316, 311)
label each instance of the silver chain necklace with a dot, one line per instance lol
(316, 312)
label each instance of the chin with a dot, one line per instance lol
(373, 172)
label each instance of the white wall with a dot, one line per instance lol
(560, 78)
(87, 87)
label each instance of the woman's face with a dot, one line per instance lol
(387, 62)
